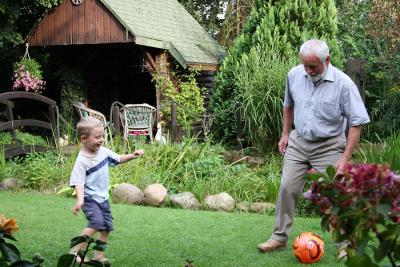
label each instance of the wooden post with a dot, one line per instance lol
(174, 124)
(116, 121)
(163, 69)
(10, 117)
(355, 68)
(53, 122)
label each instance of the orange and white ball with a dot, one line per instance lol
(308, 247)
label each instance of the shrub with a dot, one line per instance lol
(362, 205)
(184, 91)
(41, 171)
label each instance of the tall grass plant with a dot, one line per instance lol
(386, 151)
(262, 79)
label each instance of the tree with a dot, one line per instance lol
(280, 26)
(206, 12)
(236, 14)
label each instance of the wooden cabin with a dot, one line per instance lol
(120, 43)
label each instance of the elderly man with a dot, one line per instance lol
(321, 100)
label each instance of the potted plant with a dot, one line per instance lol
(28, 76)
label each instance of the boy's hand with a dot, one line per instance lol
(137, 153)
(77, 208)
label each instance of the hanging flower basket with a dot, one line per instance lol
(28, 76)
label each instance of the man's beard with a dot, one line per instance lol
(318, 77)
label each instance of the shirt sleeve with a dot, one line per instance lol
(288, 100)
(113, 158)
(354, 107)
(78, 173)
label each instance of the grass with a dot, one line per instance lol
(147, 236)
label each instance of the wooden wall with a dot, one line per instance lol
(87, 23)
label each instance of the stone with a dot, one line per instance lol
(254, 161)
(127, 193)
(186, 200)
(154, 194)
(221, 202)
(9, 184)
(243, 206)
(261, 207)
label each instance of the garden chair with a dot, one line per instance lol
(84, 111)
(137, 119)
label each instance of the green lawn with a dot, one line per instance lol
(145, 236)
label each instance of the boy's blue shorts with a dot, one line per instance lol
(98, 214)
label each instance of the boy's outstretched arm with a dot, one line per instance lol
(128, 157)
(79, 199)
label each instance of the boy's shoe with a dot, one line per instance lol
(104, 261)
(78, 258)
(271, 245)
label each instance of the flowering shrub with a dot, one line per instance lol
(361, 205)
(9, 254)
(28, 76)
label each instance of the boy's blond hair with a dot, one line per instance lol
(85, 125)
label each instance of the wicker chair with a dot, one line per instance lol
(84, 111)
(137, 119)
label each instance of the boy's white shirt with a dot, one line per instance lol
(91, 172)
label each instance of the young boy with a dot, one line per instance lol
(90, 178)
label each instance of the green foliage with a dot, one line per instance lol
(184, 91)
(352, 28)
(18, 17)
(23, 138)
(357, 33)
(72, 87)
(362, 206)
(280, 26)
(30, 65)
(385, 119)
(385, 152)
(206, 13)
(262, 73)
(41, 171)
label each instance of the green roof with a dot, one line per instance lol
(167, 25)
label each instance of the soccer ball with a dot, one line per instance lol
(308, 247)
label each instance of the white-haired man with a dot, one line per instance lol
(320, 100)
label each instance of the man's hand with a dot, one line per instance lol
(283, 143)
(77, 207)
(340, 165)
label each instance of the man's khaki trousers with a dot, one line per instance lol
(300, 156)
